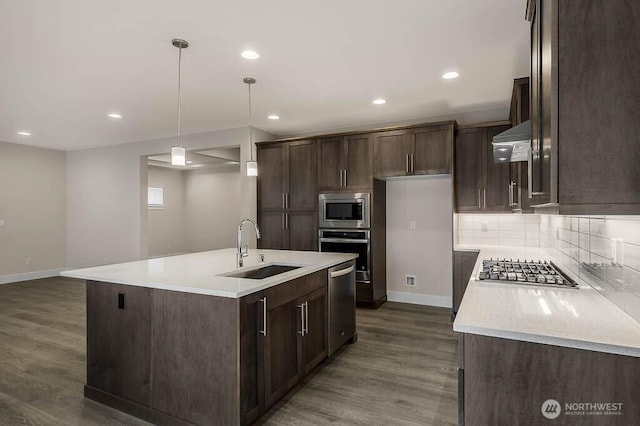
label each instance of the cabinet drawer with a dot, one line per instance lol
(285, 293)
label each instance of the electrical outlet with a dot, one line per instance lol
(413, 224)
(27, 261)
(485, 227)
(3, 223)
(410, 280)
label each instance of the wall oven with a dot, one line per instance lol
(344, 210)
(349, 241)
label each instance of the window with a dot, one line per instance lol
(155, 197)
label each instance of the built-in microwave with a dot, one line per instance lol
(344, 210)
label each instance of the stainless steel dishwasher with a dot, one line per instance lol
(342, 305)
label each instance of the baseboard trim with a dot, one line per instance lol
(14, 278)
(419, 299)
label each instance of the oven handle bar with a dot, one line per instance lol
(343, 240)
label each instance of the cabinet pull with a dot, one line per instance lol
(306, 318)
(286, 221)
(345, 178)
(510, 192)
(479, 198)
(412, 163)
(341, 178)
(530, 173)
(284, 200)
(484, 197)
(301, 306)
(406, 165)
(264, 316)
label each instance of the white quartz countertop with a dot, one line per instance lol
(577, 318)
(201, 272)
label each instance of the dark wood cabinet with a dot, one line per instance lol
(583, 100)
(345, 162)
(287, 195)
(288, 230)
(119, 340)
(296, 333)
(480, 184)
(463, 263)
(252, 356)
(414, 151)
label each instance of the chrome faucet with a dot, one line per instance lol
(244, 253)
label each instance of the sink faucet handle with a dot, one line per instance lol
(261, 256)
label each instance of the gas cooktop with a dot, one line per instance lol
(525, 272)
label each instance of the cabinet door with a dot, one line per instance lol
(390, 153)
(358, 162)
(314, 342)
(281, 353)
(251, 356)
(496, 193)
(271, 177)
(463, 263)
(432, 154)
(272, 230)
(302, 175)
(330, 167)
(302, 230)
(119, 340)
(469, 156)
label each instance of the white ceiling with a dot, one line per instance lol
(65, 64)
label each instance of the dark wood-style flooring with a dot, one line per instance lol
(402, 370)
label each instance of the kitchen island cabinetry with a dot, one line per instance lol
(480, 184)
(208, 348)
(345, 162)
(414, 151)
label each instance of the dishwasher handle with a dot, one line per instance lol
(341, 272)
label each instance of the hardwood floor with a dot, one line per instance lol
(402, 370)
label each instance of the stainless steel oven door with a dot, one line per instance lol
(344, 210)
(361, 247)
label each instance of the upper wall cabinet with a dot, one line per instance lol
(585, 99)
(414, 151)
(345, 162)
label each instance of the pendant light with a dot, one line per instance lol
(252, 165)
(179, 153)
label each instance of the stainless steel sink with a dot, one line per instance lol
(263, 272)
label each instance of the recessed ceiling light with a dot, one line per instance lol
(114, 115)
(24, 133)
(274, 117)
(379, 101)
(250, 54)
(450, 75)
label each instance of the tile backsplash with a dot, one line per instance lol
(498, 229)
(602, 250)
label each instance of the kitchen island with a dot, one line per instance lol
(180, 340)
(525, 349)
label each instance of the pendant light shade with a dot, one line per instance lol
(252, 165)
(179, 153)
(178, 156)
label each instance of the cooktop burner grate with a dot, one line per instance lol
(525, 272)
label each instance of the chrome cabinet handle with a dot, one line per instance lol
(484, 197)
(341, 178)
(510, 192)
(406, 166)
(345, 178)
(264, 316)
(301, 306)
(412, 163)
(479, 198)
(530, 173)
(286, 221)
(306, 318)
(284, 200)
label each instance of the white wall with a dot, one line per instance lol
(425, 251)
(166, 225)
(33, 206)
(106, 190)
(212, 200)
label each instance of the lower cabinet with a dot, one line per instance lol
(463, 263)
(181, 358)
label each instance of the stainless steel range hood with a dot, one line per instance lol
(513, 144)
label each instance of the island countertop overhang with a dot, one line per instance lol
(203, 272)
